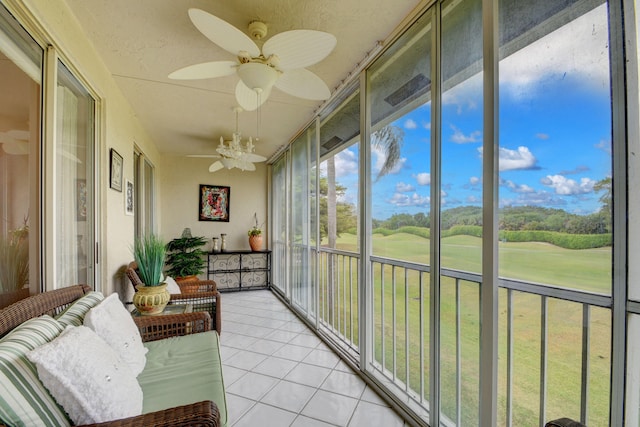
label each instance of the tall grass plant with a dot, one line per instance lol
(149, 252)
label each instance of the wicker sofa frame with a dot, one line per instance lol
(202, 294)
(152, 328)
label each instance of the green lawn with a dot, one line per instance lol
(587, 269)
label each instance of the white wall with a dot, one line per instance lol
(51, 22)
(180, 181)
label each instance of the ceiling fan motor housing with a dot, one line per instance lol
(257, 29)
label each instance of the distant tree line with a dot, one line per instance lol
(520, 218)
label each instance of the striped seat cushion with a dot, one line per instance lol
(24, 401)
(74, 314)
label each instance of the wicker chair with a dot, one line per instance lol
(203, 295)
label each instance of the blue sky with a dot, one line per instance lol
(555, 132)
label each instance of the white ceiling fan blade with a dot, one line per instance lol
(207, 156)
(253, 158)
(299, 48)
(222, 33)
(249, 99)
(205, 70)
(245, 166)
(15, 147)
(216, 166)
(70, 156)
(303, 84)
(21, 135)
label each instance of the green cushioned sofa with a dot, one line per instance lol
(182, 380)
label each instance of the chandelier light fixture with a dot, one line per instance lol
(234, 154)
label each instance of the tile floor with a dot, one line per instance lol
(277, 373)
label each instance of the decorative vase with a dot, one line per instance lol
(223, 242)
(151, 299)
(255, 242)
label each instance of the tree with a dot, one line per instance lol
(389, 139)
(606, 199)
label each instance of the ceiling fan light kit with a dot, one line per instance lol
(280, 63)
(258, 76)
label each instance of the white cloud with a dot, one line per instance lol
(410, 124)
(578, 169)
(465, 95)
(568, 187)
(520, 159)
(460, 138)
(473, 199)
(576, 51)
(346, 163)
(380, 157)
(543, 136)
(402, 187)
(474, 180)
(539, 198)
(423, 178)
(517, 188)
(404, 200)
(604, 145)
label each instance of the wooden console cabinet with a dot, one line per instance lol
(240, 270)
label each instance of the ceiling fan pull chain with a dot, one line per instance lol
(259, 113)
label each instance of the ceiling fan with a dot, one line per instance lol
(233, 154)
(15, 142)
(280, 63)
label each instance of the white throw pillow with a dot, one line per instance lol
(87, 378)
(114, 324)
(172, 286)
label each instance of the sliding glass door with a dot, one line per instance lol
(74, 183)
(21, 60)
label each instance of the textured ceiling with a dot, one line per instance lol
(142, 41)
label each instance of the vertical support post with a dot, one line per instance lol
(544, 331)
(436, 183)
(490, 175)
(47, 198)
(365, 274)
(624, 102)
(584, 381)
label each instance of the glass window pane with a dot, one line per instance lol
(279, 224)
(555, 146)
(400, 93)
(74, 181)
(299, 235)
(20, 105)
(338, 204)
(555, 205)
(461, 209)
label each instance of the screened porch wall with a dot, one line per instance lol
(408, 311)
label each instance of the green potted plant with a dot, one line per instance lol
(14, 266)
(255, 235)
(149, 252)
(185, 257)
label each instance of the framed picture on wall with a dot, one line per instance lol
(214, 203)
(128, 197)
(115, 181)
